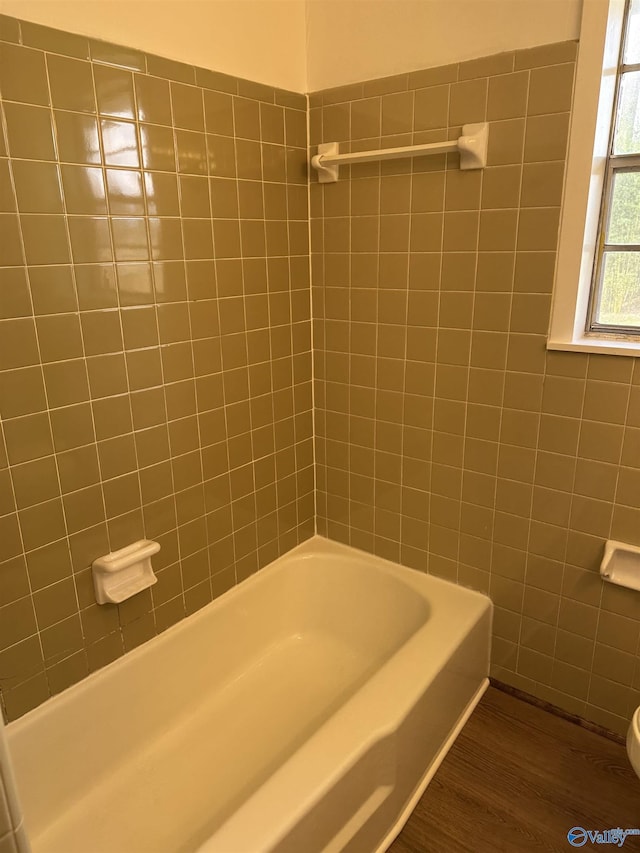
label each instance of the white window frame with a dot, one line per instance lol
(594, 93)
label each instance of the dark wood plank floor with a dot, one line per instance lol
(518, 779)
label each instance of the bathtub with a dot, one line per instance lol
(305, 710)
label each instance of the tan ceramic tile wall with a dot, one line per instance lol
(155, 349)
(155, 357)
(448, 438)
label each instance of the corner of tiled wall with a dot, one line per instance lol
(155, 346)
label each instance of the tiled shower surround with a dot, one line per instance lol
(447, 437)
(155, 343)
(155, 357)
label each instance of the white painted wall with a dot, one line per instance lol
(353, 40)
(262, 40)
(306, 45)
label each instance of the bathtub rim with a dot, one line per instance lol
(475, 605)
(339, 753)
(305, 550)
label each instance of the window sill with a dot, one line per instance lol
(603, 346)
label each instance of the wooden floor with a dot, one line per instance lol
(518, 779)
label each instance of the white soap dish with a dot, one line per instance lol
(621, 564)
(121, 574)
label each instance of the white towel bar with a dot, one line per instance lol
(472, 146)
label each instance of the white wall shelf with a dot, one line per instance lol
(621, 564)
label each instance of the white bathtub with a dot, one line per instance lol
(303, 711)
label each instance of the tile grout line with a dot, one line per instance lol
(191, 340)
(312, 329)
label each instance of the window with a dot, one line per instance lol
(615, 290)
(596, 305)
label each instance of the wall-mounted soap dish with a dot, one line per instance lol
(621, 564)
(121, 574)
